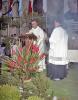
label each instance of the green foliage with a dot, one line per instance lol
(29, 90)
(39, 86)
(3, 79)
(25, 65)
(8, 92)
(42, 85)
(34, 98)
(7, 41)
(8, 78)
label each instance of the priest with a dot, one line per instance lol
(40, 34)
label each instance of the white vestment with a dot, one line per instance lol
(58, 46)
(39, 33)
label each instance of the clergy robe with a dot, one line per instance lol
(58, 53)
(40, 34)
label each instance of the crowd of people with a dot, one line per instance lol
(56, 60)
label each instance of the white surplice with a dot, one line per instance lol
(58, 47)
(40, 34)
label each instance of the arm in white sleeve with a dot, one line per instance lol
(54, 38)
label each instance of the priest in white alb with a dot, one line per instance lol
(40, 34)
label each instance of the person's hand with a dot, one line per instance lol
(27, 33)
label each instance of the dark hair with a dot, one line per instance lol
(58, 19)
(3, 44)
(36, 20)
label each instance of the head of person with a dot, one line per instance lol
(57, 22)
(72, 4)
(34, 23)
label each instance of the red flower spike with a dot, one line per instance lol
(42, 56)
(33, 60)
(19, 58)
(25, 62)
(12, 64)
(35, 49)
(20, 49)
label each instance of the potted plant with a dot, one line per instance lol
(25, 65)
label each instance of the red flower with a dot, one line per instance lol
(20, 49)
(11, 64)
(42, 56)
(32, 69)
(33, 60)
(35, 49)
(25, 62)
(19, 58)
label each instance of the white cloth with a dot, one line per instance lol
(45, 6)
(14, 48)
(40, 34)
(58, 46)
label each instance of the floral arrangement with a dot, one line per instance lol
(26, 59)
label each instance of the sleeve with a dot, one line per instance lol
(30, 31)
(54, 38)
